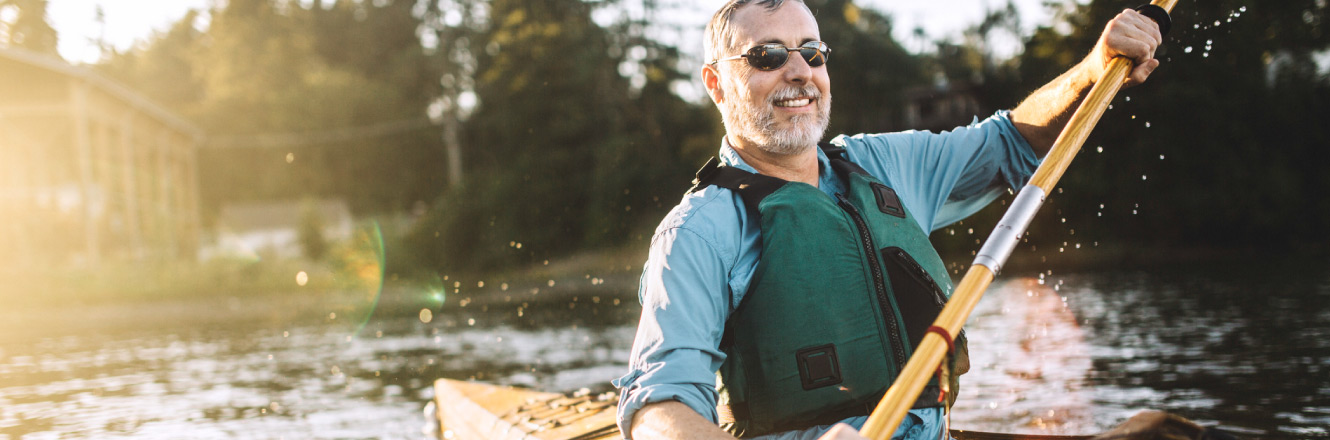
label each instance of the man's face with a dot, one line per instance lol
(782, 111)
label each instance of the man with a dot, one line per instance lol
(800, 276)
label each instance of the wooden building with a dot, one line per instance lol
(90, 169)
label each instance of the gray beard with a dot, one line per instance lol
(758, 126)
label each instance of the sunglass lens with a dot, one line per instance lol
(768, 57)
(813, 55)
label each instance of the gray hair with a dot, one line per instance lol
(719, 38)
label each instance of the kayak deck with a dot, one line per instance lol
(473, 410)
(476, 411)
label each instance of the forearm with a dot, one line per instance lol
(1042, 115)
(673, 420)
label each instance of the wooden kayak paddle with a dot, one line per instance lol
(934, 347)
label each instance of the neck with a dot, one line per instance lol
(799, 167)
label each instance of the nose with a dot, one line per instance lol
(797, 70)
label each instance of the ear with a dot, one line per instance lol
(711, 79)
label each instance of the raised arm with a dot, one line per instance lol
(1041, 117)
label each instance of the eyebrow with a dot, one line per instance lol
(778, 41)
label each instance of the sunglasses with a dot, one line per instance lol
(772, 56)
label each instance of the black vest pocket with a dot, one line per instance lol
(917, 294)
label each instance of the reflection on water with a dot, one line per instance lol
(1233, 346)
(136, 377)
(1244, 348)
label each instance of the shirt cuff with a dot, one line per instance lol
(635, 398)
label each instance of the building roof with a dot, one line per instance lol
(130, 97)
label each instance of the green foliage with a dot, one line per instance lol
(28, 28)
(571, 136)
(1223, 146)
(294, 99)
(871, 70)
(563, 152)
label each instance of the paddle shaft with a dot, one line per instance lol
(932, 350)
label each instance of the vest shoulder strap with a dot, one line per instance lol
(840, 162)
(755, 187)
(750, 186)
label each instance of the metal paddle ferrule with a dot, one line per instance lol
(887, 416)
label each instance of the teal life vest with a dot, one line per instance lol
(844, 289)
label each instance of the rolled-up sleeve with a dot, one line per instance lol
(945, 177)
(685, 300)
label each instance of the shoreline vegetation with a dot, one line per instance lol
(610, 273)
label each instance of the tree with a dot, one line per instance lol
(23, 25)
(1221, 147)
(340, 90)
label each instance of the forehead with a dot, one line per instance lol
(791, 24)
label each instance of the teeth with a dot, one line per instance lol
(793, 103)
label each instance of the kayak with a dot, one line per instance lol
(480, 411)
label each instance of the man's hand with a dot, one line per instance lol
(1043, 114)
(1131, 35)
(842, 432)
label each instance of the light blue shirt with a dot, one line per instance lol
(704, 253)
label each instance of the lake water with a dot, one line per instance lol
(1243, 347)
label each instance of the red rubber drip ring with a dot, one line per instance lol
(951, 346)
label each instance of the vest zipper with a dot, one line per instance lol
(912, 269)
(879, 282)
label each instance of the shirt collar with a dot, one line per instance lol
(826, 176)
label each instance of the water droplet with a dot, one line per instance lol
(426, 315)
(1142, 177)
(480, 284)
(503, 286)
(302, 278)
(1187, 49)
(1133, 116)
(551, 283)
(1101, 206)
(1205, 55)
(286, 334)
(471, 321)
(290, 157)
(1147, 124)
(1216, 23)
(1100, 148)
(1128, 98)
(332, 315)
(1161, 157)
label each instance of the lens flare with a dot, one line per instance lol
(360, 274)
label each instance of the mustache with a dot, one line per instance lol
(795, 92)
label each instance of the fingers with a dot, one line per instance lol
(841, 432)
(1132, 35)
(1141, 72)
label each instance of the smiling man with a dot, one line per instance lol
(786, 290)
